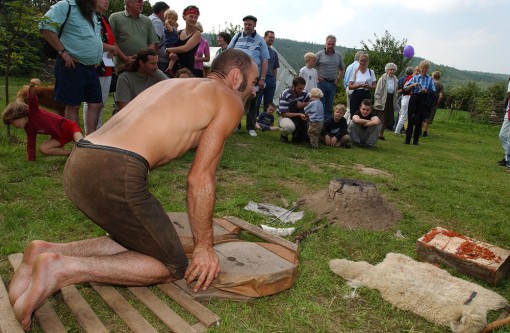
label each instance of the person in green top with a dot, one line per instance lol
(133, 31)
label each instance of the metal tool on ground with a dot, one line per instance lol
(284, 215)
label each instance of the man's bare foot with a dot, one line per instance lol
(44, 283)
(23, 275)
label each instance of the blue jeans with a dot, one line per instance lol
(267, 93)
(329, 91)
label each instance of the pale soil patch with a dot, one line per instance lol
(354, 212)
(371, 171)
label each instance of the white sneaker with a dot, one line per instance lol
(252, 133)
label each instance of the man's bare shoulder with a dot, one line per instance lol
(192, 91)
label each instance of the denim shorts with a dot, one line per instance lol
(110, 186)
(76, 85)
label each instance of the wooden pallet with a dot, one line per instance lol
(49, 320)
(179, 292)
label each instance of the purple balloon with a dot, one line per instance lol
(408, 51)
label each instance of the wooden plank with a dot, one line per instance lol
(45, 314)
(200, 327)
(161, 310)
(469, 256)
(121, 306)
(206, 316)
(85, 317)
(261, 233)
(8, 321)
(232, 228)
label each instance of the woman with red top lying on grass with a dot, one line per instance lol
(39, 121)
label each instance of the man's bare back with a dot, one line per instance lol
(161, 124)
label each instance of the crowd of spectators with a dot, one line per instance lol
(129, 52)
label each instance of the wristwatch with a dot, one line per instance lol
(263, 78)
(61, 51)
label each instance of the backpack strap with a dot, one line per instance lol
(236, 38)
(67, 16)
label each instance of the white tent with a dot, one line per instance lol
(284, 78)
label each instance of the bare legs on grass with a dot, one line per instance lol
(48, 267)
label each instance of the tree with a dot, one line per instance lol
(386, 49)
(42, 6)
(118, 6)
(18, 27)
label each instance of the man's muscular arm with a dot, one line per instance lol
(201, 194)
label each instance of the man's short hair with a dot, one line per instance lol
(268, 32)
(230, 59)
(367, 102)
(331, 37)
(409, 70)
(159, 7)
(310, 55)
(226, 36)
(297, 81)
(250, 17)
(13, 111)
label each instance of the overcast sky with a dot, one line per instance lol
(465, 34)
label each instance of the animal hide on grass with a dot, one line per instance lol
(424, 289)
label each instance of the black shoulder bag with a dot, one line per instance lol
(50, 52)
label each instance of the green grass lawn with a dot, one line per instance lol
(451, 180)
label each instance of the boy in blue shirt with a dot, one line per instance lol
(265, 120)
(315, 113)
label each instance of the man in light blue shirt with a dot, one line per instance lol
(255, 46)
(80, 50)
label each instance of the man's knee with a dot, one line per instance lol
(287, 126)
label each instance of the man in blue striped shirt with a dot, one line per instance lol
(422, 98)
(255, 46)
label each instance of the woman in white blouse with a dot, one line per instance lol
(361, 82)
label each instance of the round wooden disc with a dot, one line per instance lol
(250, 269)
(183, 228)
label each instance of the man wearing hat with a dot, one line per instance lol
(255, 46)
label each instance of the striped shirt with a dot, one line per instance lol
(288, 97)
(423, 82)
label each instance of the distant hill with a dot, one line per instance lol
(293, 51)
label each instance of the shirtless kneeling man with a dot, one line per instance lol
(106, 178)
